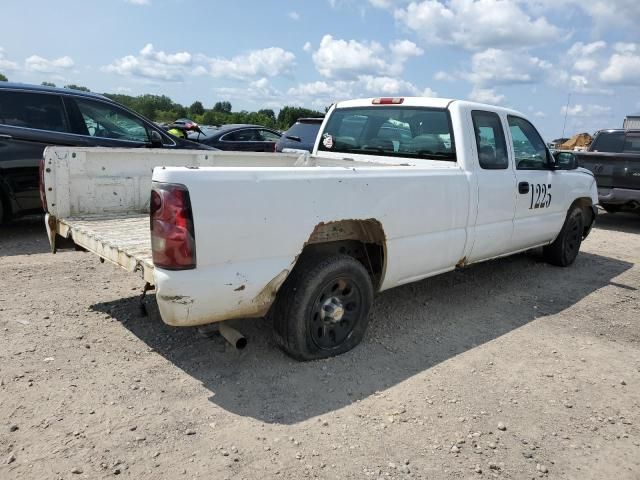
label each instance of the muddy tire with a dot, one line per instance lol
(564, 250)
(323, 307)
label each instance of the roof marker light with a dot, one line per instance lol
(387, 101)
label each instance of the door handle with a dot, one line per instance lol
(5, 136)
(523, 187)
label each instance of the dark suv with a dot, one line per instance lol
(301, 135)
(32, 117)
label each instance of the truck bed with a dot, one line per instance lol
(122, 239)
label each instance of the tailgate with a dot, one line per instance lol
(123, 240)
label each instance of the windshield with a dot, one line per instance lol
(410, 132)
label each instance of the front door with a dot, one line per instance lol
(540, 196)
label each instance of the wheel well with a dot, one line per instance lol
(588, 216)
(363, 240)
(5, 205)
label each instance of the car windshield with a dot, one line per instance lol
(305, 131)
(413, 132)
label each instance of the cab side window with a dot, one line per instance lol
(529, 149)
(490, 141)
(106, 121)
(40, 111)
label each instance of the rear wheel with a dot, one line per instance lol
(564, 250)
(323, 307)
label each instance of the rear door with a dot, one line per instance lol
(496, 188)
(540, 207)
(631, 175)
(29, 121)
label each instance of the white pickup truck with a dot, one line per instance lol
(396, 190)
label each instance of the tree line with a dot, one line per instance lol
(160, 108)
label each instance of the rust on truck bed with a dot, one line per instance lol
(123, 240)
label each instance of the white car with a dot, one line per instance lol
(396, 190)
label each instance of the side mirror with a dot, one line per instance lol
(156, 139)
(565, 161)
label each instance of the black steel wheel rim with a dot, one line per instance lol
(573, 238)
(335, 313)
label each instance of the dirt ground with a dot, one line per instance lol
(509, 369)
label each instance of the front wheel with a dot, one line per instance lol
(323, 307)
(564, 250)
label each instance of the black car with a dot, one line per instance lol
(301, 136)
(245, 138)
(32, 117)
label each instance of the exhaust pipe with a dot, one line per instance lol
(233, 336)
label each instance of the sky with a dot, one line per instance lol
(535, 56)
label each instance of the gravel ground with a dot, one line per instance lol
(507, 369)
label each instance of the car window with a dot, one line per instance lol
(108, 121)
(612, 142)
(246, 135)
(306, 131)
(269, 136)
(413, 132)
(490, 141)
(529, 149)
(632, 143)
(33, 110)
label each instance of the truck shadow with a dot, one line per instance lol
(24, 236)
(619, 222)
(413, 328)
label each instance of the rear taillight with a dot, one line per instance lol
(173, 241)
(43, 194)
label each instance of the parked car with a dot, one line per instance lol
(614, 159)
(309, 239)
(245, 138)
(301, 135)
(32, 117)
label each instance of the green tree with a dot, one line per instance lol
(3, 78)
(267, 112)
(73, 86)
(223, 107)
(289, 115)
(196, 108)
(48, 84)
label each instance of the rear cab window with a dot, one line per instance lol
(611, 142)
(409, 132)
(41, 111)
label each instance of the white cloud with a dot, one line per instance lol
(590, 110)
(294, 16)
(153, 64)
(624, 66)
(139, 2)
(159, 65)
(443, 76)
(499, 67)
(486, 95)
(324, 92)
(6, 64)
(474, 24)
(337, 58)
(268, 62)
(405, 49)
(307, 47)
(35, 63)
